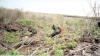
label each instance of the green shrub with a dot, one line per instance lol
(97, 31)
(72, 44)
(96, 39)
(13, 52)
(10, 37)
(2, 52)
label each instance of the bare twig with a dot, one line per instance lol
(17, 44)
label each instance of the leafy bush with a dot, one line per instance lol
(10, 37)
(96, 31)
(72, 45)
(96, 39)
(2, 51)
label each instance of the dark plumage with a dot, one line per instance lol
(57, 30)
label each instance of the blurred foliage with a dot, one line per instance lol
(13, 52)
(72, 45)
(2, 51)
(43, 54)
(59, 53)
(9, 37)
(58, 49)
(49, 40)
(59, 46)
(9, 15)
(26, 22)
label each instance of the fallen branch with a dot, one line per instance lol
(16, 45)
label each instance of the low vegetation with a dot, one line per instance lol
(73, 30)
(2, 51)
(43, 54)
(59, 49)
(72, 45)
(13, 52)
(59, 53)
(10, 37)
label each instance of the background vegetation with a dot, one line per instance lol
(73, 29)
